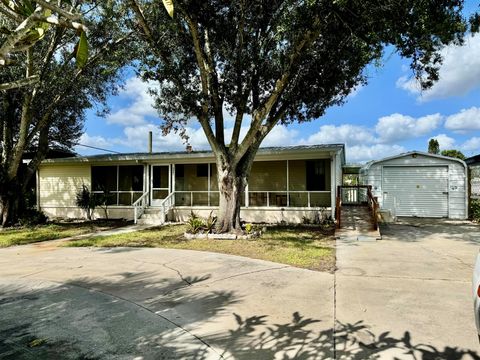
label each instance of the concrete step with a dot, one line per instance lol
(147, 221)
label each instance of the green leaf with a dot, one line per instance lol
(82, 50)
(169, 6)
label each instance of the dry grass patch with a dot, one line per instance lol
(298, 246)
(53, 231)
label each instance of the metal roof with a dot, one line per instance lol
(370, 163)
(473, 160)
(194, 154)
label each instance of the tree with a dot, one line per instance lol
(453, 153)
(24, 23)
(433, 147)
(50, 112)
(275, 62)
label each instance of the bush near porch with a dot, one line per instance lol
(301, 246)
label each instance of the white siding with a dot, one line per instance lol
(58, 185)
(457, 191)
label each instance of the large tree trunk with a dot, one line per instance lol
(232, 181)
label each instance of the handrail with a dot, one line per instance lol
(167, 204)
(139, 206)
(373, 205)
(338, 212)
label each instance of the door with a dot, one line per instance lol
(416, 190)
(160, 183)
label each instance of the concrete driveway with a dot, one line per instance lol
(67, 303)
(409, 295)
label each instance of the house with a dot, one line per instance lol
(474, 176)
(419, 184)
(286, 184)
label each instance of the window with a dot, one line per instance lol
(124, 184)
(316, 175)
(202, 170)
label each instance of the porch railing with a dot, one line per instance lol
(167, 204)
(259, 198)
(139, 206)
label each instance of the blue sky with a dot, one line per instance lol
(383, 118)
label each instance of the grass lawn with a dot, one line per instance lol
(297, 246)
(27, 235)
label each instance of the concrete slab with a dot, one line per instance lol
(159, 304)
(409, 295)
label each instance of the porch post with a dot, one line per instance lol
(288, 185)
(247, 198)
(333, 182)
(208, 186)
(173, 182)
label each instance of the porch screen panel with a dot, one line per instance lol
(104, 179)
(130, 184)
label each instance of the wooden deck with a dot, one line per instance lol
(357, 224)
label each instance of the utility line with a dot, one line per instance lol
(97, 148)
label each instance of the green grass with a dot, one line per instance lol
(28, 235)
(296, 246)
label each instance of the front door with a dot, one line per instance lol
(160, 183)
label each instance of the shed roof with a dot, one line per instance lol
(474, 160)
(195, 154)
(409, 153)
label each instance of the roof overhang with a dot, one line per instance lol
(411, 153)
(263, 154)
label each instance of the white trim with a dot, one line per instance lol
(409, 153)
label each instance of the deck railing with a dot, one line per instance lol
(357, 195)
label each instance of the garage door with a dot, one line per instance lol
(416, 191)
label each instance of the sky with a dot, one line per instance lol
(388, 116)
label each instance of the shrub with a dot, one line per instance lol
(194, 224)
(32, 217)
(85, 200)
(248, 228)
(475, 210)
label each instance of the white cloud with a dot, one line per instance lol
(281, 136)
(363, 153)
(136, 138)
(471, 145)
(466, 119)
(95, 141)
(459, 73)
(140, 104)
(398, 127)
(349, 134)
(445, 141)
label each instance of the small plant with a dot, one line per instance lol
(210, 222)
(306, 220)
(86, 201)
(195, 224)
(248, 228)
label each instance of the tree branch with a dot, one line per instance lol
(20, 83)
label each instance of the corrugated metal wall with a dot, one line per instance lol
(419, 184)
